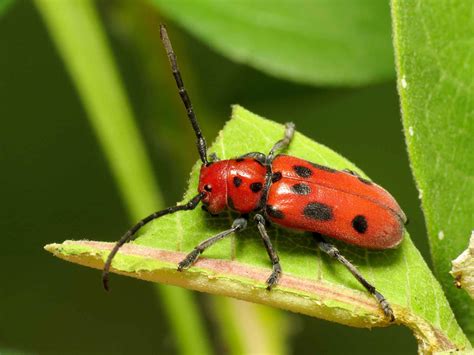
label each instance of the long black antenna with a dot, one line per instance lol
(201, 142)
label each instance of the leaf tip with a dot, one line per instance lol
(52, 248)
(238, 110)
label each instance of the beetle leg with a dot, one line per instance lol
(282, 143)
(333, 252)
(352, 172)
(260, 157)
(213, 157)
(238, 225)
(276, 273)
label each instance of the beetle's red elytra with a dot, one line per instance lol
(287, 191)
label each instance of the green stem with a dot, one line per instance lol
(77, 32)
(251, 328)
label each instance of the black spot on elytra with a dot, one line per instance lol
(365, 181)
(276, 176)
(230, 203)
(302, 171)
(359, 223)
(273, 212)
(238, 160)
(318, 211)
(256, 186)
(325, 168)
(301, 189)
(237, 181)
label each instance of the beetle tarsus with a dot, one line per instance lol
(274, 277)
(189, 260)
(384, 305)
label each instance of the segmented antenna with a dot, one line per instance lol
(201, 142)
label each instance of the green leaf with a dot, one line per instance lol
(434, 45)
(312, 283)
(314, 42)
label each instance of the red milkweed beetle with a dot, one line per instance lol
(290, 192)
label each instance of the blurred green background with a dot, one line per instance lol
(56, 184)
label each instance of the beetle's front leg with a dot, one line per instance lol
(238, 225)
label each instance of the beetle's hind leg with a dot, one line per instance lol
(284, 142)
(333, 252)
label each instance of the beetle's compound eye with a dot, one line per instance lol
(208, 188)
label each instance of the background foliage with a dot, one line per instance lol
(434, 47)
(337, 44)
(58, 185)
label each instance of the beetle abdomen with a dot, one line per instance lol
(319, 199)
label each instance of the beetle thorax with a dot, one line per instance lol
(237, 184)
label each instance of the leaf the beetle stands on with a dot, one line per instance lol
(434, 46)
(313, 42)
(311, 284)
